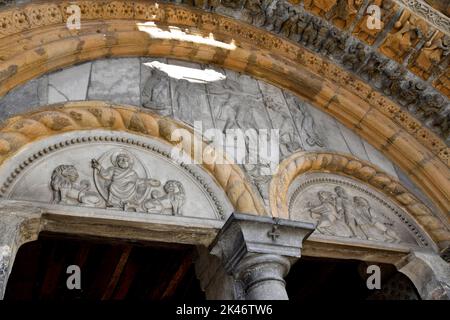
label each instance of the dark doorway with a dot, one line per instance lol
(330, 279)
(110, 270)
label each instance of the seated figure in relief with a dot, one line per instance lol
(123, 185)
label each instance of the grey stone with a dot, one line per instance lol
(155, 88)
(24, 98)
(280, 118)
(69, 84)
(189, 99)
(115, 80)
(377, 158)
(258, 251)
(347, 209)
(430, 275)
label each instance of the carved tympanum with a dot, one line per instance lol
(339, 214)
(120, 181)
(344, 208)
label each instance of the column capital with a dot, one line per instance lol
(429, 273)
(258, 252)
(245, 234)
(18, 224)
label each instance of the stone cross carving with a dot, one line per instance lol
(121, 182)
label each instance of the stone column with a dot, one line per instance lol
(18, 225)
(258, 252)
(429, 273)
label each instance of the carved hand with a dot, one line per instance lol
(95, 164)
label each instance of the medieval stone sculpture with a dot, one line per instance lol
(155, 93)
(431, 56)
(339, 214)
(67, 191)
(172, 200)
(355, 57)
(121, 183)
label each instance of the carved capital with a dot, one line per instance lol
(430, 275)
(18, 225)
(258, 252)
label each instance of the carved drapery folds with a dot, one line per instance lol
(344, 196)
(338, 211)
(346, 97)
(120, 181)
(116, 178)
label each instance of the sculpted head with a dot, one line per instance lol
(64, 176)
(340, 192)
(360, 202)
(172, 186)
(123, 161)
(325, 196)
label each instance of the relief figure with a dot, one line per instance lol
(66, 190)
(122, 182)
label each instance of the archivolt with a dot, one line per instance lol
(34, 40)
(20, 131)
(303, 162)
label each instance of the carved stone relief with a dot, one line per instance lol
(407, 32)
(114, 172)
(362, 30)
(344, 208)
(120, 181)
(5, 256)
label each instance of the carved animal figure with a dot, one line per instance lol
(67, 191)
(173, 199)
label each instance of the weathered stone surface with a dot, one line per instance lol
(236, 102)
(430, 275)
(69, 84)
(347, 209)
(22, 99)
(189, 98)
(258, 252)
(116, 81)
(155, 88)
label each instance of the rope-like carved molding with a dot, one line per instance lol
(19, 19)
(20, 131)
(121, 140)
(346, 165)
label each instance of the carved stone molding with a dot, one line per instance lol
(353, 102)
(303, 162)
(95, 115)
(427, 12)
(258, 252)
(312, 32)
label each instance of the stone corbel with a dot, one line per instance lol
(18, 225)
(259, 251)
